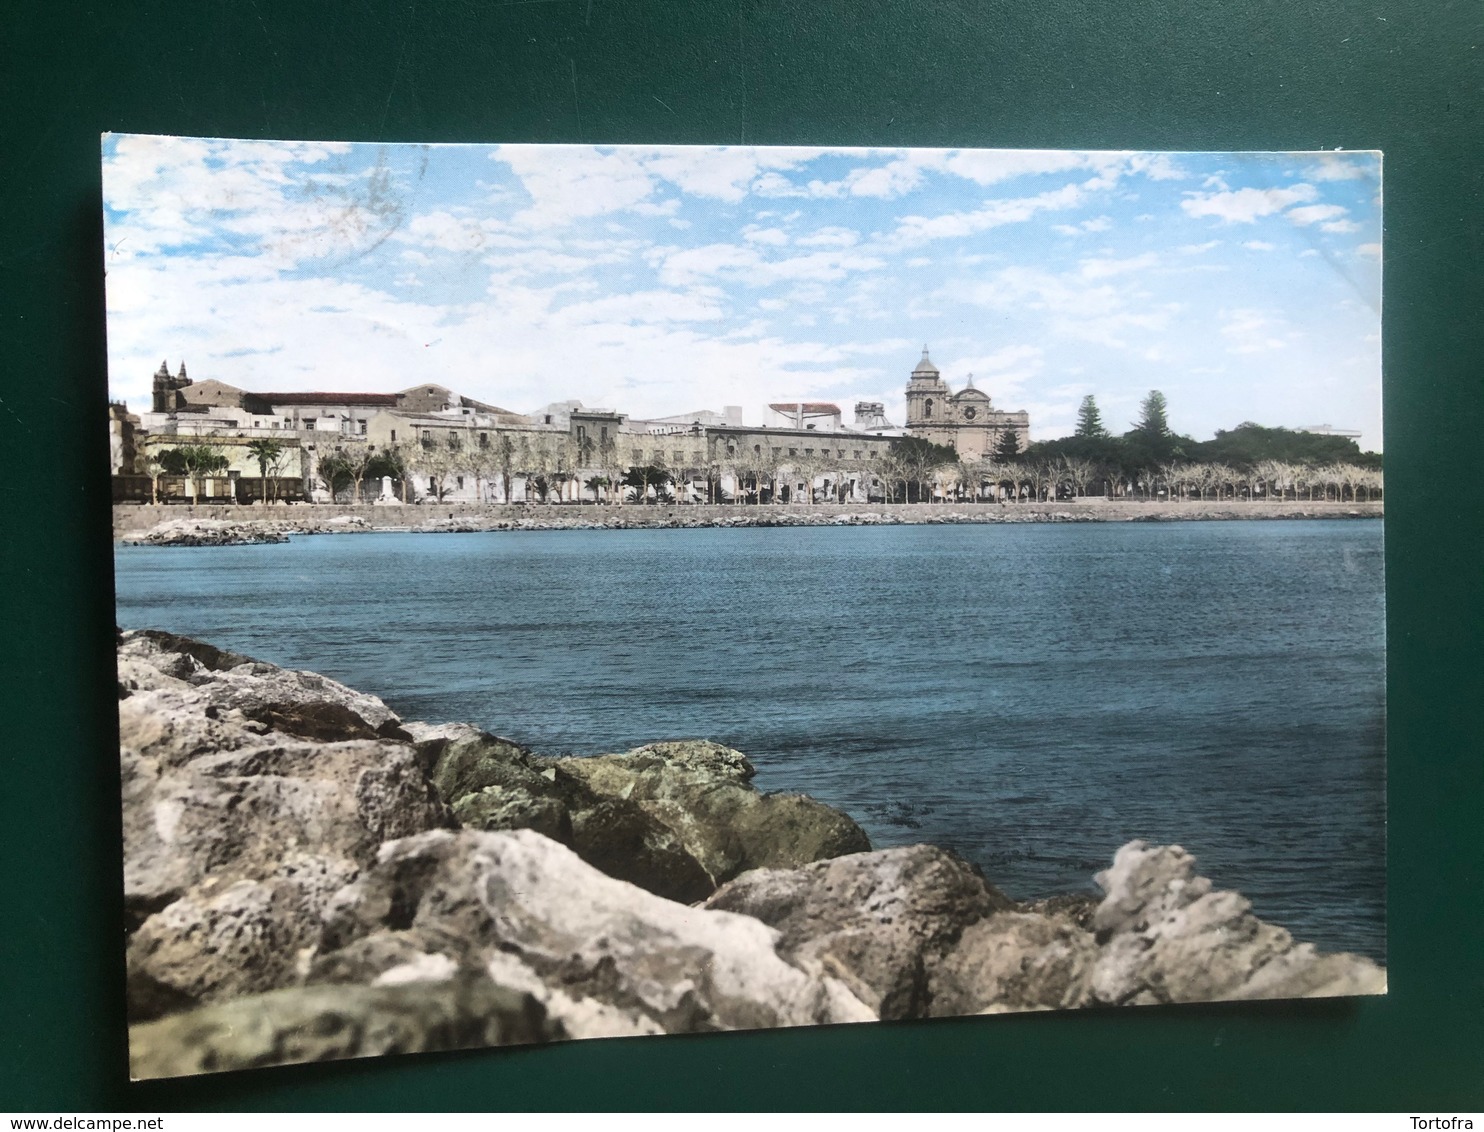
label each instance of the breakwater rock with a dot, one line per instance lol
(224, 525)
(308, 876)
(208, 532)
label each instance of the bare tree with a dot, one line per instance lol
(1078, 473)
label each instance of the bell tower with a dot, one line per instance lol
(166, 387)
(927, 395)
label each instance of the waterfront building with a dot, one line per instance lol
(455, 449)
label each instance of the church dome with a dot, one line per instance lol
(925, 367)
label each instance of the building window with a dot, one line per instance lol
(778, 451)
(461, 483)
(757, 449)
(362, 425)
(484, 440)
(855, 455)
(793, 451)
(427, 436)
(394, 436)
(927, 407)
(808, 452)
(548, 418)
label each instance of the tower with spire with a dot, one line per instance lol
(927, 394)
(166, 388)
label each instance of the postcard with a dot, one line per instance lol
(607, 591)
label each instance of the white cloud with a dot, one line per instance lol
(294, 201)
(1072, 306)
(1372, 251)
(1344, 227)
(1002, 373)
(920, 229)
(1243, 206)
(1105, 268)
(1096, 224)
(752, 268)
(830, 237)
(773, 237)
(1259, 246)
(571, 182)
(1339, 167)
(1197, 249)
(725, 173)
(1250, 331)
(1314, 213)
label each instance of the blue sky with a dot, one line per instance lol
(659, 280)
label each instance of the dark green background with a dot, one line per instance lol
(1156, 74)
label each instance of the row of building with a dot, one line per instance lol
(457, 449)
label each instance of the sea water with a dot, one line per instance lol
(1029, 695)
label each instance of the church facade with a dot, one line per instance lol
(966, 421)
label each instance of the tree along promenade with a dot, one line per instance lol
(129, 519)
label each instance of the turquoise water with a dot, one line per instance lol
(1032, 696)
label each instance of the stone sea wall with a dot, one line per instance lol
(208, 525)
(309, 877)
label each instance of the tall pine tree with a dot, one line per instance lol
(1153, 423)
(1009, 446)
(1090, 420)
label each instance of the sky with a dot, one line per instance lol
(662, 280)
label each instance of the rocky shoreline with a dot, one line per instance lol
(309, 877)
(224, 528)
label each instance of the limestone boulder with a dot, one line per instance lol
(619, 955)
(1013, 961)
(881, 921)
(494, 784)
(303, 704)
(702, 792)
(629, 842)
(674, 818)
(462, 759)
(224, 941)
(1078, 907)
(501, 807)
(236, 814)
(1166, 935)
(237, 829)
(327, 1023)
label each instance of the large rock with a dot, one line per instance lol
(880, 921)
(1015, 961)
(224, 941)
(1167, 936)
(702, 792)
(326, 1023)
(462, 760)
(494, 784)
(305, 704)
(675, 818)
(238, 813)
(237, 829)
(493, 900)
